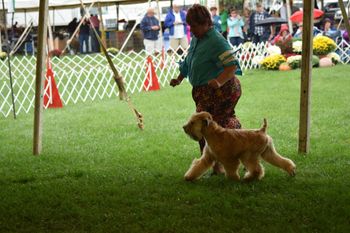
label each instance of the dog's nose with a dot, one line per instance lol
(184, 127)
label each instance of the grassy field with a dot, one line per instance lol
(99, 173)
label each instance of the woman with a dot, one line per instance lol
(235, 24)
(284, 40)
(211, 67)
(246, 18)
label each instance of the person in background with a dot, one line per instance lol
(284, 40)
(211, 68)
(235, 24)
(259, 33)
(95, 24)
(166, 39)
(175, 20)
(150, 29)
(215, 18)
(72, 26)
(329, 31)
(246, 17)
(84, 34)
(283, 35)
(224, 16)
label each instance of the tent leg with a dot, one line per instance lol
(39, 76)
(9, 59)
(306, 71)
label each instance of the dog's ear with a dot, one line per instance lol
(206, 122)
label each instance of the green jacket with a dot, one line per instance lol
(207, 57)
(224, 16)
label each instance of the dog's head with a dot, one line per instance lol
(196, 124)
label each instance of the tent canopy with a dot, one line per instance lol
(33, 5)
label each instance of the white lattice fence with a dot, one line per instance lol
(88, 77)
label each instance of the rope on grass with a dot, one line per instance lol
(117, 78)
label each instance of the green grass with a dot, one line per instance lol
(99, 173)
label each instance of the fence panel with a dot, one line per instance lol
(88, 77)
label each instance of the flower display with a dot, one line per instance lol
(297, 46)
(294, 61)
(286, 45)
(272, 50)
(272, 62)
(335, 57)
(322, 45)
(113, 51)
(3, 55)
(257, 60)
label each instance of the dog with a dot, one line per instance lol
(231, 147)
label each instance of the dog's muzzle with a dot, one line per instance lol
(188, 132)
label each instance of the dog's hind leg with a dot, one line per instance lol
(254, 169)
(271, 156)
(199, 166)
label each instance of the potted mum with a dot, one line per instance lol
(273, 62)
(3, 55)
(323, 45)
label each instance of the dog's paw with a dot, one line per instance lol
(292, 170)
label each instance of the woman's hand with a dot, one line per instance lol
(214, 84)
(176, 81)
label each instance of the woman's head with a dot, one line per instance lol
(327, 23)
(213, 10)
(199, 19)
(233, 13)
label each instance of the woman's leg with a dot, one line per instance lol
(81, 44)
(232, 41)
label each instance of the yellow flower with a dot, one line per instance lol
(323, 45)
(272, 62)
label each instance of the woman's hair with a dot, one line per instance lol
(198, 14)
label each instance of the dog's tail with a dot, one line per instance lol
(264, 126)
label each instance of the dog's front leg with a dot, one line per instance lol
(231, 169)
(199, 166)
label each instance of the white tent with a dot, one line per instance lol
(33, 5)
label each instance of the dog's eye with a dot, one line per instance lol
(191, 123)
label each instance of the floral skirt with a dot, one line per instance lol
(220, 103)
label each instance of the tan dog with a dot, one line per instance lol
(232, 146)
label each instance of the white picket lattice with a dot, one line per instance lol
(88, 77)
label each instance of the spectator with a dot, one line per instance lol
(259, 33)
(346, 36)
(299, 33)
(72, 26)
(150, 29)
(166, 39)
(215, 18)
(175, 20)
(284, 34)
(329, 31)
(246, 16)
(224, 16)
(95, 23)
(235, 24)
(84, 34)
(284, 40)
